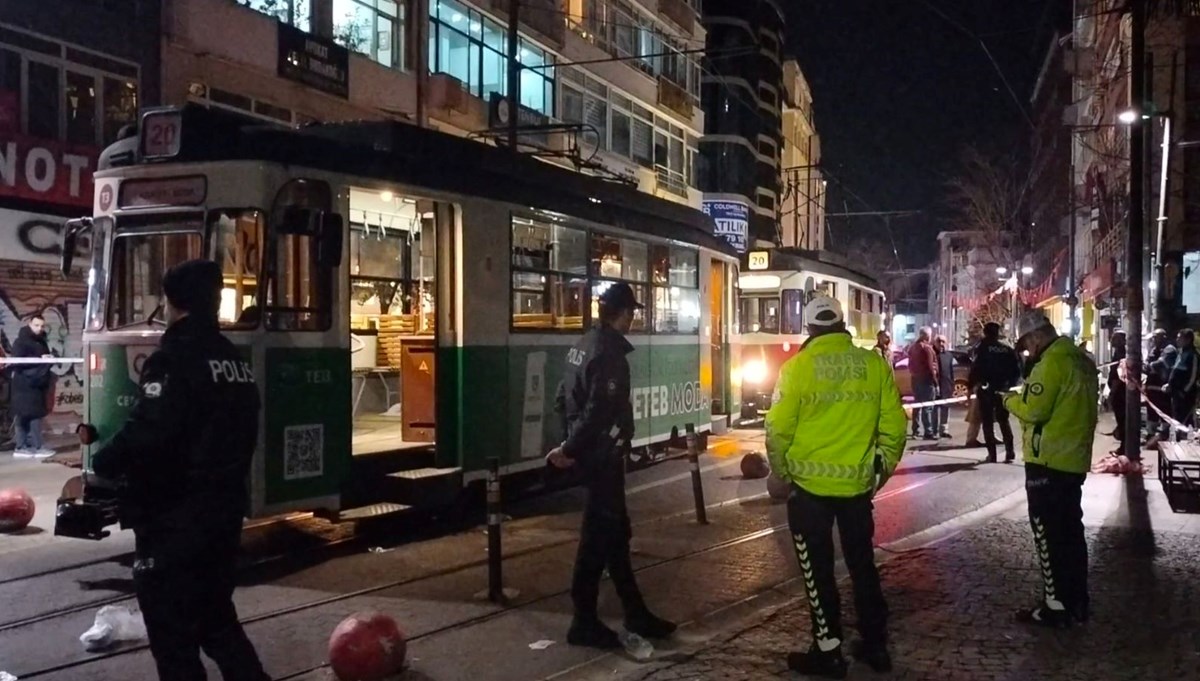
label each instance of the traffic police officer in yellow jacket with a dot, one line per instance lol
(1057, 410)
(835, 431)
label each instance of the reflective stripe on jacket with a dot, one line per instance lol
(1057, 409)
(836, 412)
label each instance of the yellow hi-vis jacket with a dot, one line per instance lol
(835, 416)
(1058, 409)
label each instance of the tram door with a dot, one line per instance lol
(392, 268)
(719, 338)
(306, 429)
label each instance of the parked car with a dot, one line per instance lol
(962, 368)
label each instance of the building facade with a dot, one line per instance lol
(962, 285)
(606, 86)
(802, 206)
(66, 90)
(743, 94)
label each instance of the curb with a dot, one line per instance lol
(753, 610)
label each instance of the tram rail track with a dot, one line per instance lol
(46, 672)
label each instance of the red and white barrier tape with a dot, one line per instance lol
(41, 360)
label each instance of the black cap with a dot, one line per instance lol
(991, 330)
(620, 296)
(194, 287)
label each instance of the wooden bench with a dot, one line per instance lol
(1179, 469)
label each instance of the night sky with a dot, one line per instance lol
(899, 91)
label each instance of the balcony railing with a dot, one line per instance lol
(671, 181)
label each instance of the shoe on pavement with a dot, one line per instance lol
(815, 662)
(648, 625)
(875, 656)
(945, 435)
(971, 444)
(1009, 458)
(44, 452)
(930, 436)
(592, 633)
(1043, 616)
(990, 458)
(25, 454)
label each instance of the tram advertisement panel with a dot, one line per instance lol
(666, 393)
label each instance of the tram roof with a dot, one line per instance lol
(820, 262)
(408, 154)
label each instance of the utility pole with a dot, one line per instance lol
(514, 71)
(1135, 248)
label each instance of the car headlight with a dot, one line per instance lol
(755, 371)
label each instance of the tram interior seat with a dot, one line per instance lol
(546, 321)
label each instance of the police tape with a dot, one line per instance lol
(951, 400)
(41, 360)
(1176, 425)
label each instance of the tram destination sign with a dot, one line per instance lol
(318, 63)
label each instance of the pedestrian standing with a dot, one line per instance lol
(1182, 385)
(30, 389)
(184, 454)
(945, 381)
(1057, 410)
(1116, 386)
(594, 401)
(835, 431)
(996, 369)
(923, 367)
(1159, 363)
(883, 346)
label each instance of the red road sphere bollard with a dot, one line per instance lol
(16, 510)
(367, 646)
(755, 466)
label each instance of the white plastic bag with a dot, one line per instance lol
(5, 676)
(114, 623)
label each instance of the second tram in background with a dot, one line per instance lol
(772, 291)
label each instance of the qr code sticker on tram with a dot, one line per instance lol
(303, 451)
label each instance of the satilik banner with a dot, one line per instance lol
(732, 222)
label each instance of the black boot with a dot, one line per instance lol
(875, 655)
(590, 632)
(815, 662)
(648, 625)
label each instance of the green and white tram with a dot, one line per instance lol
(406, 298)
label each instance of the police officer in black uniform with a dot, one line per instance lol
(996, 369)
(594, 401)
(184, 455)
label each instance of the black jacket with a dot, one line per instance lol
(594, 400)
(186, 449)
(996, 365)
(946, 373)
(1114, 377)
(30, 382)
(1185, 373)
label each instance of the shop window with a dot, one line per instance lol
(120, 106)
(43, 100)
(237, 245)
(80, 101)
(293, 12)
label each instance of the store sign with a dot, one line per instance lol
(500, 113)
(316, 62)
(41, 170)
(35, 238)
(175, 191)
(732, 219)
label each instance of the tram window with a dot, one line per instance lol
(392, 266)
(639, 292)
(618, 258)
(792, 321)
(675, 266)
(676, 310)
(299, 290)
(237, 240)
(139, 262)
(759, 314)
(97, 273)
(546, 246)
(541, 301)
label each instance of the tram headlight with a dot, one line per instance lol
(755, 371)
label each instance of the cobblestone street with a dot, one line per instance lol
(952, 613)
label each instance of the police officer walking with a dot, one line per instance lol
(1057, 410)
(594, 400)
(996, 369)
(836, 432)
(184, 455)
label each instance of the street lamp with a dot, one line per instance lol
(1027, 270)
(1002, 270)
(1127, 117)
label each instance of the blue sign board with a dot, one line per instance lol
(732, 220)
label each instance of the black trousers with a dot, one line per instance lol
(992, 412)
(188, 607)
(1056, 516)
(604, 543)
(811, 519)
(1117, 402)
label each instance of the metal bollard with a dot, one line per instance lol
(697, 486)
(494, 518)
